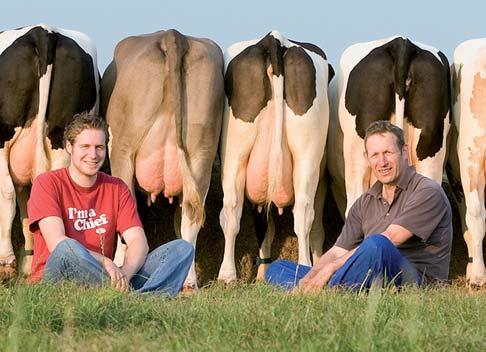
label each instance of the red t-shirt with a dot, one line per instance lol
(92, 216)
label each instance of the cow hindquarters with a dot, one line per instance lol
(7, 214)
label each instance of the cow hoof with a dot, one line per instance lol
(477, 281)
(188, 290)
(227, 276)
(227, 279)
(27, 265)
(8, 268)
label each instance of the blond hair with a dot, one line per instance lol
(84, 121)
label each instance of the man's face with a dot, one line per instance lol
(88, 152)
(387, 162)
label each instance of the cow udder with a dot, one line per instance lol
(22, 156)
(158, 171)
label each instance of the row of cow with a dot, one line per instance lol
(171, 99)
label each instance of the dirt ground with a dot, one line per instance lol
(158, 222)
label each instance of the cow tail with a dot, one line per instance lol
(175, 46)
(46, 51)
(403, 53)
(275, 73)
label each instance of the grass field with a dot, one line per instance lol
(251, 317)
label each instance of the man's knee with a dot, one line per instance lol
(183, 247)
(377, 243)
(67, 246)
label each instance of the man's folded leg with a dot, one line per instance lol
(71, 261)
(165, 269)
(285, 274)
(376, 261)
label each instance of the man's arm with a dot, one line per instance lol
(52, 229)
(137, 249)
(331, 255)
(397, 234)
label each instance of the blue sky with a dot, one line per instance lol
(331, 25)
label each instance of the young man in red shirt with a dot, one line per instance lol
(75, 212)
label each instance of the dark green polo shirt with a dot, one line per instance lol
(419, 205)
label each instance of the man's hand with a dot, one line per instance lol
(319, 276)
(118, 279)
(317, 282)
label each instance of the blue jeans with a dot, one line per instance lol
(375, 260)
(164, 270)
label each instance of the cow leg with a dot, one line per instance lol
(177, 221)
(473, 178)
(356, 173)
(122, 166)
(265, 230)
(305, 186)
(22, 198)
(317, 234)
(7, 214)
(233, 188)
(474, 235)
(183, 225)
(189, 231)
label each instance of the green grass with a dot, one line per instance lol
(240, 317)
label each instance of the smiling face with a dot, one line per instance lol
(386, 160)
(88, 153)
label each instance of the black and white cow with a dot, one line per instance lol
(47, 75)
(393, 79)
(273, 139)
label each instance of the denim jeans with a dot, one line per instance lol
(164, 270)
(376, 260)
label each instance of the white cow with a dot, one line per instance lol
(469, 70)
(273, 138)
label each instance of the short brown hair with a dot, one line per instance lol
(383, 126)
(84, 121)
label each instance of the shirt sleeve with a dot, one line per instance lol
(127, 211)
(44, 200)
(423, 212)
(351, 234)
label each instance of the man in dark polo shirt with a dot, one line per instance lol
(399, 231)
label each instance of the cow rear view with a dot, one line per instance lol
(469, 73)
(165, 111)
(273, 139)
(47, 75)
(395, 79)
